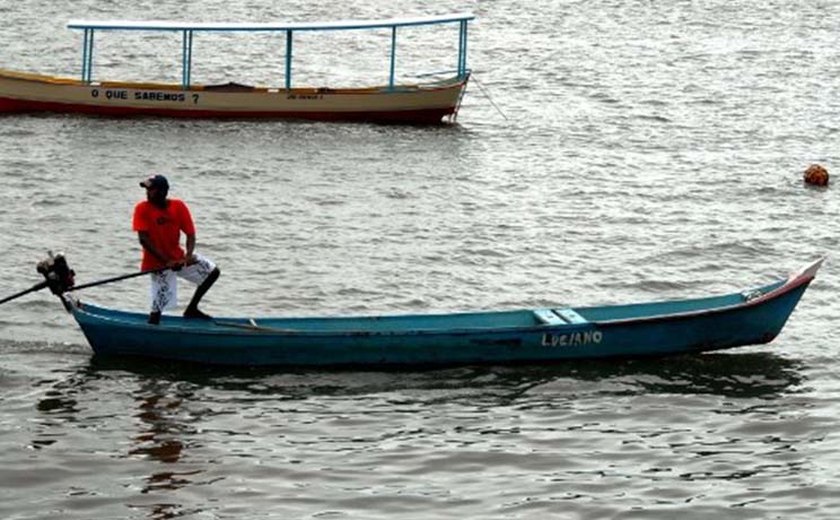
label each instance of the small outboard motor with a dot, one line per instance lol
(59, 276)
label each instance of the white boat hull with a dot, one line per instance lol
(410, 104)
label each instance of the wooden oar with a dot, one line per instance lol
(114, 279)
(36, 287)
(45, 283)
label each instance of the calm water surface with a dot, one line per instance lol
(606, 152)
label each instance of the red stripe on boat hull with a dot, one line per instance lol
(426, 116)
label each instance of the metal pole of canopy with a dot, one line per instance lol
(90, 56)
(393, 54)
(183, 57)
(84, 55)
(288, 59)
(87, 56)
(462, 50)
(186, 59)
(466, 28)
(189, 71)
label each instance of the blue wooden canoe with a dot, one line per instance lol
(662, 328)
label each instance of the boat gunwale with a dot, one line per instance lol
(446, 83)
(793, 282)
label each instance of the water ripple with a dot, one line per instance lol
(605, 152)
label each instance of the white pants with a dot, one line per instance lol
(164, 287)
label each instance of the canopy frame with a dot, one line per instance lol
(188, 30)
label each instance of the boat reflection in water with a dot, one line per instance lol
(163, 425)
(746, 375)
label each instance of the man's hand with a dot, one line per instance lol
(175, 265)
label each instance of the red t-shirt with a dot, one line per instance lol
(164, 227)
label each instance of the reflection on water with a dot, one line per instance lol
(628, 191)
(57, 406)
(163, 423)
(183, 433)
(159, 439)
(733, 375)
(761, 375)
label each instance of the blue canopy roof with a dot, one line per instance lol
(160, 25)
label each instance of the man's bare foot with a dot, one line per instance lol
(196, 314)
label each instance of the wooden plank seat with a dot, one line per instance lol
(570, 316)
(548, 317)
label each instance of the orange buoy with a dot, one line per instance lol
(816, 175)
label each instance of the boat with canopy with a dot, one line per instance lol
(427, 102)
(687, 326)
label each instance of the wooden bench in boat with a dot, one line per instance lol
(558, 316)
(229, 87)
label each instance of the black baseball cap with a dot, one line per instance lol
(155, 181)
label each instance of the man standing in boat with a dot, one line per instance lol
(159, 221)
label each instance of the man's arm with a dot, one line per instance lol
(147, 244)
(190, 248)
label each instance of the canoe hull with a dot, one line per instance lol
(735, 320)
(416, 104)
